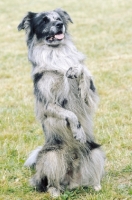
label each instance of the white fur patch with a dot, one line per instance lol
(97, 188)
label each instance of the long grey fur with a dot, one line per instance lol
(66, 100)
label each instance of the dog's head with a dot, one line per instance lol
(49, 27)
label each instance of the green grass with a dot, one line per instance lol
(103, 31)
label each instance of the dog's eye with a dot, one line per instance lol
(58, 19)
(45, 20)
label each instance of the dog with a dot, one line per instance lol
(66, 99)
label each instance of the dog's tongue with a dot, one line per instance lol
(59, 36)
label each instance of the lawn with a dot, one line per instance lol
(102, 30)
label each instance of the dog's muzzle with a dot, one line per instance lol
(56, 32)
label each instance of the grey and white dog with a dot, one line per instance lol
(66, 99)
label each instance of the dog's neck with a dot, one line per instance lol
(55, 58)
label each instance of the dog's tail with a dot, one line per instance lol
(31, 161)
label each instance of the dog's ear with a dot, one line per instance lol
(64, 15)
(26, 22)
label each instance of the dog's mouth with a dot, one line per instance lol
(58, 36)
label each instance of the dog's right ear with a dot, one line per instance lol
(26, 22)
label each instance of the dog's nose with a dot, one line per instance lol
(59, 24)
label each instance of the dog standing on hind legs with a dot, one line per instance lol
(66, 99)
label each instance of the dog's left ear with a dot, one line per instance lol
(65, 16)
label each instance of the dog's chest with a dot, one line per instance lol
(60, 59)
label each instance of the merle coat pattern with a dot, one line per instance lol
(66, 99)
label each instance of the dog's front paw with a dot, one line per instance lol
(80, 134)
(72, 73)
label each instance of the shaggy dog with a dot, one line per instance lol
(65, 102)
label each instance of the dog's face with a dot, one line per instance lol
(49, 27)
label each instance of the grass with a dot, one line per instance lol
(101, 30)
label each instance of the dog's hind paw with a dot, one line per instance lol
(54, 192)
(97, 188)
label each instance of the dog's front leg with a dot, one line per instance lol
(86, 88)
(71, 119)
(83, 77)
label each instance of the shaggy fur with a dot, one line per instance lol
(66, 99)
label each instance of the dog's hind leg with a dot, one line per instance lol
(92, 169)
(98, 161)
(51, 168)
